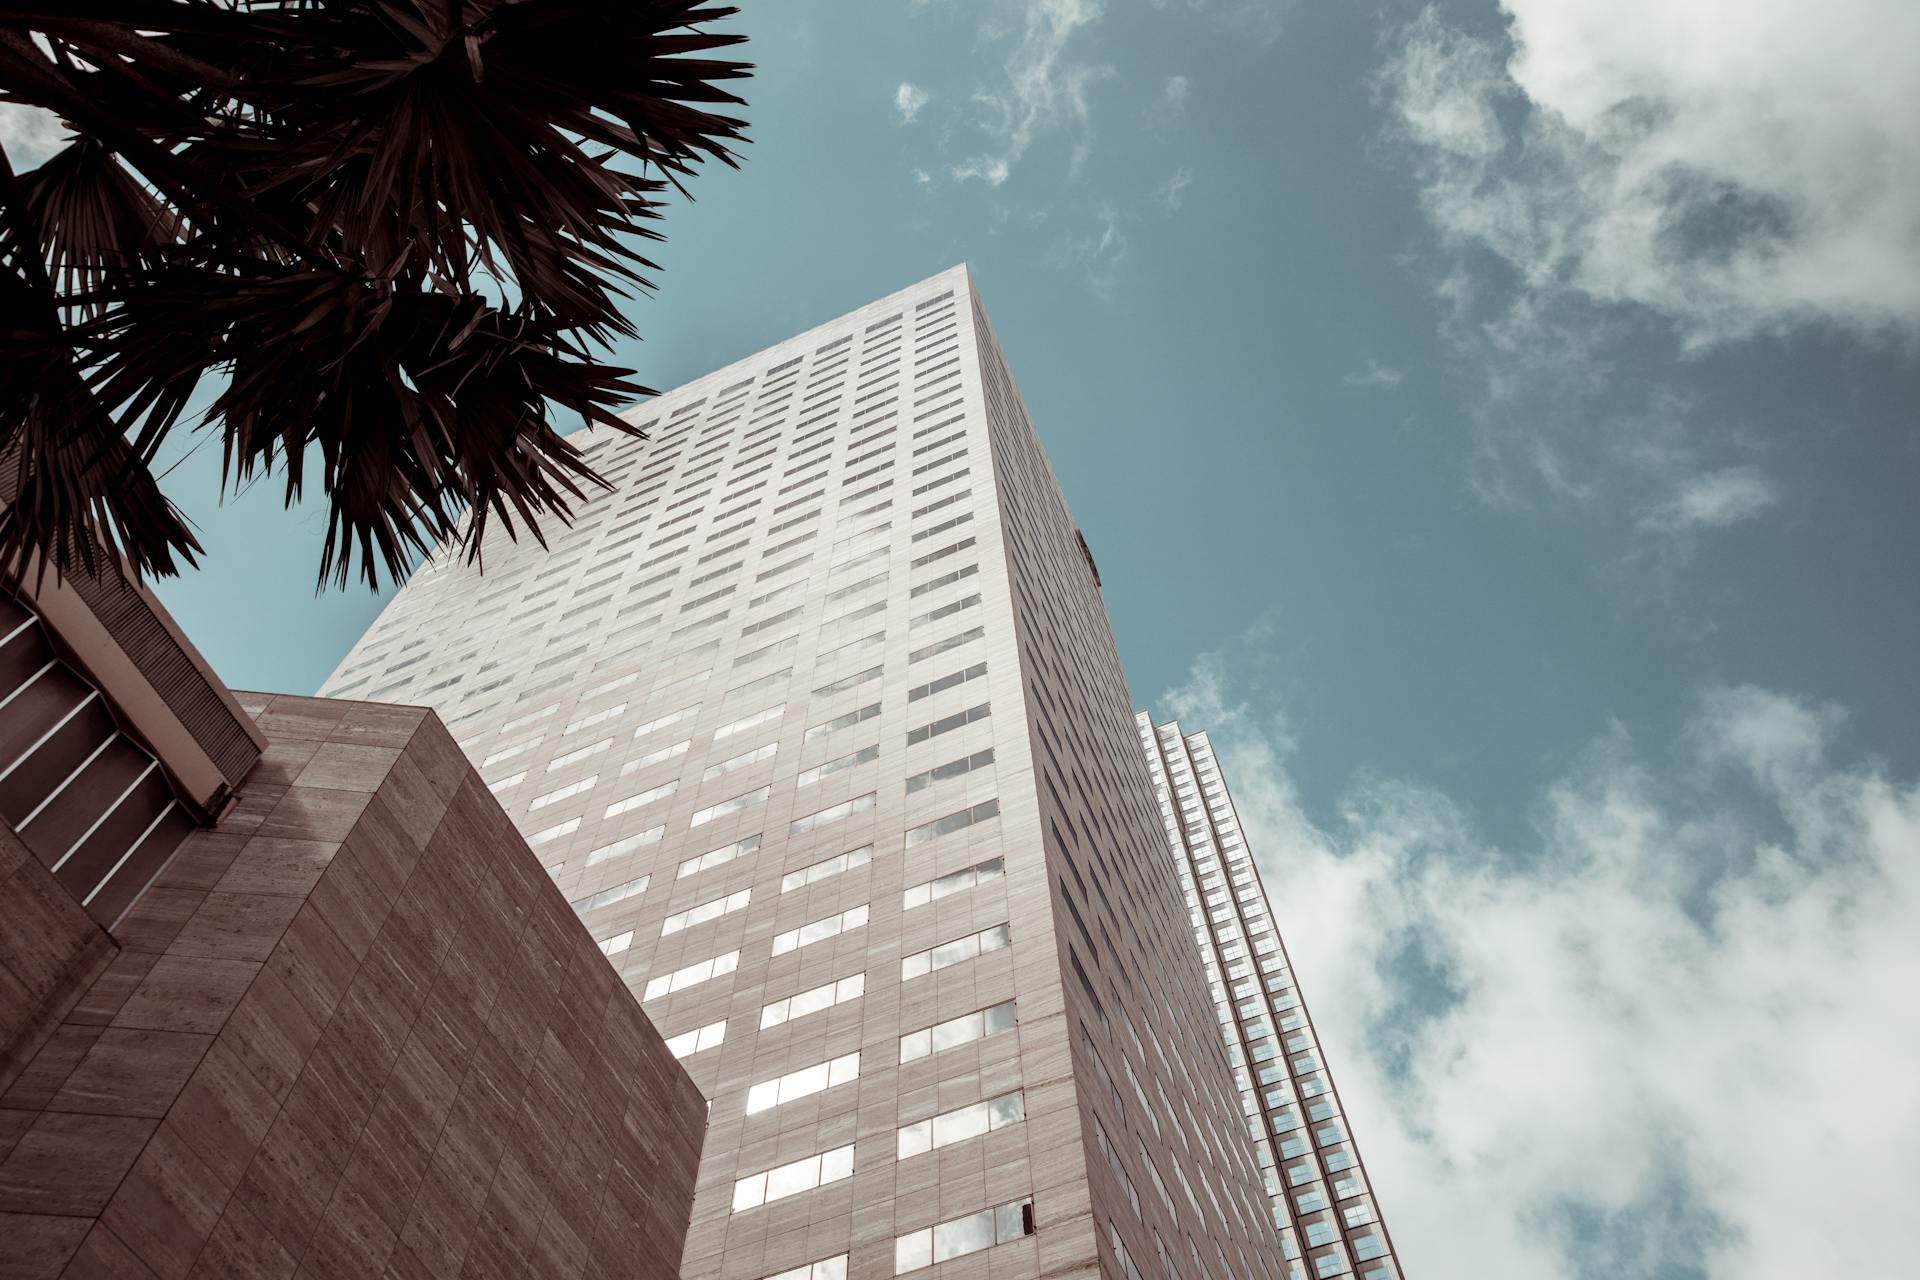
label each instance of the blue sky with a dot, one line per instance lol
(1496, 423)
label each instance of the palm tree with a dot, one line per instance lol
(397, 230)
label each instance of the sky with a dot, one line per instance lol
(1495, 423)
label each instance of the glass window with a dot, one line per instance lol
(769, 1094)
(964, 1029)
(960, 1236)
(791, 1179)
(813, 1000)
(955, 952)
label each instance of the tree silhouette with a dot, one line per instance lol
(398, 228)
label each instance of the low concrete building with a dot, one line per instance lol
(343, 1024)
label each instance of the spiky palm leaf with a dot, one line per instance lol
(399, 229)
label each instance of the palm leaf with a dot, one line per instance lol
(399, 228)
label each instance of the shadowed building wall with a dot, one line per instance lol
(352, 1030)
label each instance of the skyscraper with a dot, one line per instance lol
(1321, 1196)
(818, 722)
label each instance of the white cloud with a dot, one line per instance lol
(1376, 375)
(1169, 104)
(1714, 500)
(1676, 1032)
(909, 101)
(1041, 87)
(29, 134)
(1172, 193)
(1736, 166)
(1100, 252)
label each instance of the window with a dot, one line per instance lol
(507, 753)
(805, 1082)
(642, 798)
(851, 646)
(961, 1236)
(747, 722)
(791, 1179)
(616, 944)
(531, 716)
(566, 828)
(826, 867)
(932, 687)
(947, 724)
(715, 857)
(563, 793)
(831, 814)
(688, 1043)
(672, 717)
(866, 755)
(619, 891)
(1368, 1247)
(1119, 1245)
(941, 646)
(820, 930)
(920, 895)
(1319, 1233)
(944, 580)
(813, 1000)
(834, 1268)
(767, 651)
(705, 911)
(626, 844)
(764, 682)
(703, 816)
(952, 769)
(964, 1029)
(962, 1123)
(691, 975)
(846, 721)
(574, 757)
(740, 761)
(845, 683)
(953, 822)
(921, 963)
(942, 553)
(656, 757)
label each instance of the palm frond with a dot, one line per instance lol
(399, 228)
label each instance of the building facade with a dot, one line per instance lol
(1322, 1200)
(818, 723)
(284, 992)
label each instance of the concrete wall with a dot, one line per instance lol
(353, 1030)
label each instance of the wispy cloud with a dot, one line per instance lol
(908, 101)
(1733, 166)
(1099, 251)
(1714, 500)
(1040, 87)
(1673, 1032)
(1376, 375)
(1168, 106)
(1172, 193)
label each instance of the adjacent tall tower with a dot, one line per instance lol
(819, 723)
(1303, 1144)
